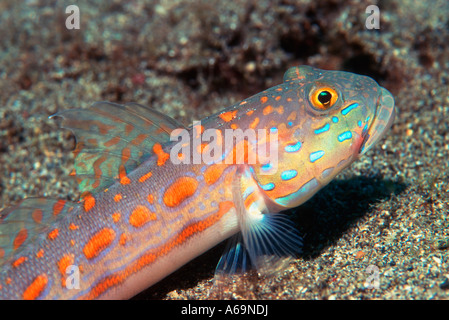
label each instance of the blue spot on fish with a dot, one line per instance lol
(345, 136)
(268, 187)
(293, 147)
(267, 167)
(314, 156)
(289, 174)
(334, 119)
(346, 110)
(325, 128)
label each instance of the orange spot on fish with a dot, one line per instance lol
(139, 139)
(40, 253)
(63, 263)
(263, 99)
(128, 129)
(19, 261)
(116, 217)
(228, 116)
(254, 124)
(98, 242)
(52, 235)
(97, 170)
(122, 175)
(89, 202)
(125, 180)
(140, 216)
(267, 110)
(179, 191)
(145, 177)
(278, 98)
(96, 184)
(280, 109)
(20, 238)
(162, 156)
(150, 198)
(37, 215)
(234, 126)
(73, 226)
(213, 173)
(34, 290)
(126, 154)
(58, 206)
(292, 116)
(123, 239)
(250, 112)
(112, 141)
(117, 197)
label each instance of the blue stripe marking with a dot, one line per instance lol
(289, 174)
(267, 167)
(327, 172)
(325, 128)
(346, 110)
(314, 156)
(345, 136)
(268, 187)
(293, 147)
(308, 187)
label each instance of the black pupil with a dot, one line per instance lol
(325, 97)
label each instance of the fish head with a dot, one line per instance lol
(338, 116)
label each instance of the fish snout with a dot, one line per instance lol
(383, 119)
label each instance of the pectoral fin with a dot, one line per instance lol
(265, 239)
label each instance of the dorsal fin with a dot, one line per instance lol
(113, 139)
(300, 73)
(23, 223)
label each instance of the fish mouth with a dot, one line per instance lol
(383, 119)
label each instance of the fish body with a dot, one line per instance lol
(157, 194)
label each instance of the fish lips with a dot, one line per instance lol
(383, 119)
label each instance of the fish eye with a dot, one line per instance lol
(323, 98)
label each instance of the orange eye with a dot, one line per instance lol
(324, 98)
